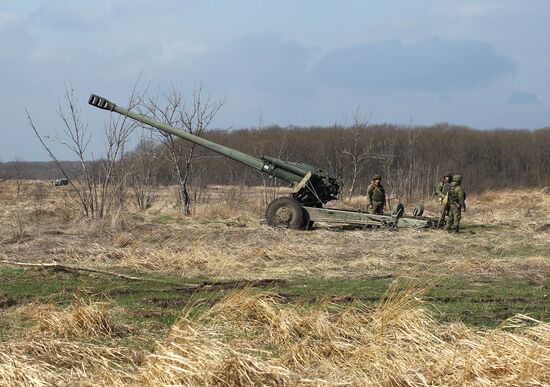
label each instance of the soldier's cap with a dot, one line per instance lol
(448, 174)
(457, 178)
(377, 177)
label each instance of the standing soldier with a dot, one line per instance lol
(457, 204)
(376, 195)
(441, 191)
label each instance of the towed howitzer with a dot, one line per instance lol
(313, 187)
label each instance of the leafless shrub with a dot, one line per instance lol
(18, 175)
(18, 226)
(143, 179)
(100, 184)
(39, 194)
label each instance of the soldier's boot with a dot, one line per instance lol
(440, 222)
(451, 227)
(458, 216)
(443, 219)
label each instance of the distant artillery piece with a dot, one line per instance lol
(313, 188)
(60, 182)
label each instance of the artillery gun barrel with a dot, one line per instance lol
(282, 171)
(287, 166)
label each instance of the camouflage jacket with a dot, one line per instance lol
(376, 194)
(457, 196)
(442, 189)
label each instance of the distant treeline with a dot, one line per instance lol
(410, 160)
(36, 170)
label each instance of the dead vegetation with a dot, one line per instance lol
(252, 338)
(81, 318)
(506, 233)
(261, 338)
(80, 344)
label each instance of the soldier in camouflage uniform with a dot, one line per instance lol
(457, 204)
(441, 191)
(377, 196)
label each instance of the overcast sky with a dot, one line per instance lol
(482, 63)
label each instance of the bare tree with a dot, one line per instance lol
(99, 183)
(389, 146)
(271, 187)
(359, 152)
(195, 118)
(17, 175)
(145, 165)
(362, 154)
(5, 173)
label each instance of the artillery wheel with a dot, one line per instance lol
(398, 210)
(418, 210)
(286, 212)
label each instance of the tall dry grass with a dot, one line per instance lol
(253, 339)
(82, 318)
(256, 338)
(17, 369)
(80, 344)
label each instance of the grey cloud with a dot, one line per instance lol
(429, 65)
(523, 98)
(259, 62)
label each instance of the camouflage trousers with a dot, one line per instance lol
(453, 222)
(377, 208)
(443, 212)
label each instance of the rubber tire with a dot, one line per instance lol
(418, 210)
(398, 210)
(298, 218)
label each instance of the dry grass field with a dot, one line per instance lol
(219, 298)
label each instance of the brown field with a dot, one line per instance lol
(341, 307)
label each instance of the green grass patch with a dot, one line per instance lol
(167, 219)
(485, 303)
(524, 251)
